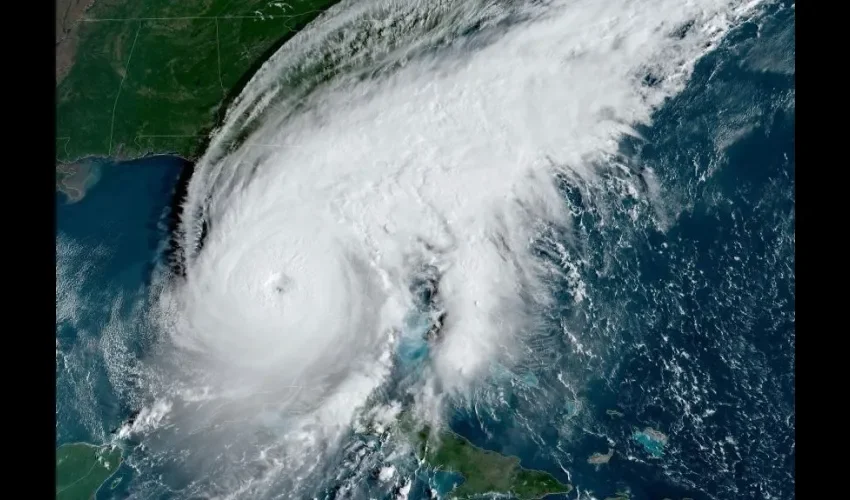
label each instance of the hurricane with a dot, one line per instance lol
(391, 147)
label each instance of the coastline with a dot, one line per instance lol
(97, 450)
(517, 466)
(205, 134)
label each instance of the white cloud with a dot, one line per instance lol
(449, 160)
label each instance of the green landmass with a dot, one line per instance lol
(614, 413)
(81, 469)
(620, 495)
(483, 471)
(155, 76)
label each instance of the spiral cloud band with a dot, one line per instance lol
(316, 209)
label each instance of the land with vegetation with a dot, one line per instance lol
(136, 78)
(483, 471)
(82, 468)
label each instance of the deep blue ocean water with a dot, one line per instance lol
(686, 325)
(687, 329)
(119, 229)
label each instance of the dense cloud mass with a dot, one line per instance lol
(436, 147)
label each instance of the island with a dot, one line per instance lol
(619, 495)
(652, 440)
(155, 76)
(81, 468)
(599, 458)
(483, 471)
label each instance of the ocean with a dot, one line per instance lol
(674, 318)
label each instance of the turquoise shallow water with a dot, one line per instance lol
(653, 445)
(687, 329)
